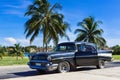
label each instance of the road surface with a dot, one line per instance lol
(7, 72)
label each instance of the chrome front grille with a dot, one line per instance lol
(40, 57)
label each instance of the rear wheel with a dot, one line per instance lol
(63, 67)
(73, 68)
(101, 64)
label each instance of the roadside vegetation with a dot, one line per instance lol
(116, 57)
(12, 61)
(116, 50)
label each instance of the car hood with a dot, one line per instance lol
(57, 53)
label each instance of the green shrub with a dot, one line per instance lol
(116, 50)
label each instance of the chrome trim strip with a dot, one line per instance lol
(46, 61)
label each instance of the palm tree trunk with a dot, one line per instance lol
(21, 55)
(43, 41)
(46, 48)
(43, 46)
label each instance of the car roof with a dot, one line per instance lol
(77, 43)
(87, 43)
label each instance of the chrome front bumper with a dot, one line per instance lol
(48, 67)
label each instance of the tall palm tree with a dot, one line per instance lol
(45, 18)
(90, 32)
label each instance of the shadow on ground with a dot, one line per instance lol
(19, 74)
(25, 74)
(35, 73)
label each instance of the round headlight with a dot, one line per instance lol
(49, 58)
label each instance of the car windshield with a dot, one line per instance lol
(65, 47)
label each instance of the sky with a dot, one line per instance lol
(12, 19)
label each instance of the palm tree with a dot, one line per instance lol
(45, 19)
(18, 50)
(90, 32)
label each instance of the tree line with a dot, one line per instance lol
(18, 51)
(116, 50)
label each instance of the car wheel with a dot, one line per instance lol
(63, 67)
(101, 64)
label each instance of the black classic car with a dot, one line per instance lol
(68, 56)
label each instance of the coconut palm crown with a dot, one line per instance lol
(45, 19)
(90, 32)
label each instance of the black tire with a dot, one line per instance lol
(101, 64)
(73, 68)
(63, 67)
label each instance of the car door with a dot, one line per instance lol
(86, 55)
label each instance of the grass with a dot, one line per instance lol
(116, 57)
(12, 61)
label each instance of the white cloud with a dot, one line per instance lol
(17, 9)
(11, 40)
(23, 42)
(23, 4)
(13, 12)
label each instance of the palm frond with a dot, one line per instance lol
(55, 6)
(80, 31)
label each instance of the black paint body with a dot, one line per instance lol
(77, 56)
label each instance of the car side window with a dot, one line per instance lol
(83, 47)
(90, 48)
(71, 48)
(65, 47)
(62, 48)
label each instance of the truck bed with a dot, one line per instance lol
(105, 53)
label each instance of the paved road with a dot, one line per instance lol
(7, 72)
(94, 74)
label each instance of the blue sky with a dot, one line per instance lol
(12, 19)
